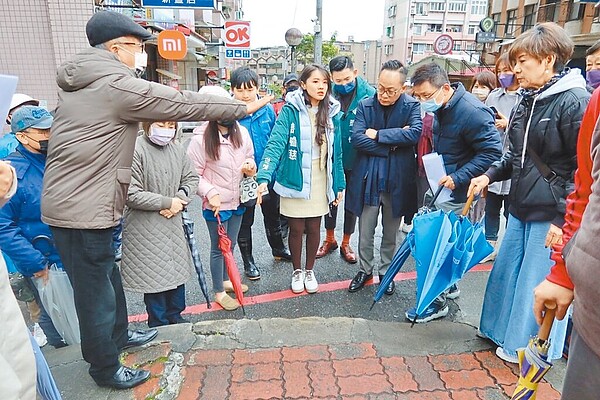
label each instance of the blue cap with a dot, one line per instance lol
(30, 117)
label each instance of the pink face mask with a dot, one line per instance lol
(161, 136)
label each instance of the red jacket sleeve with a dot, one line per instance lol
(578, 200)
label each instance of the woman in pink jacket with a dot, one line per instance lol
(222, 153)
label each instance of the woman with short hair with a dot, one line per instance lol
(541, 161)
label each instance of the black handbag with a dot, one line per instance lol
(556, 182)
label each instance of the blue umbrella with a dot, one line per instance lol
(46, 386)
(188, 228)
(446, 247)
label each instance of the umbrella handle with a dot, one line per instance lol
(544, 332)
(467, 206)
(436, 195)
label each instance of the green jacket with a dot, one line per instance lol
(288, 152)
(363, 90)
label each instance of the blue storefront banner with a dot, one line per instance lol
(201, 4)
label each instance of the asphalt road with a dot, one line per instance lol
(276, 277)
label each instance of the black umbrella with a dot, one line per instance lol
(188, 228)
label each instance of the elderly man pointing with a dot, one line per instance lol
(88, 171)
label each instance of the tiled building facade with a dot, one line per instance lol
(38, 35)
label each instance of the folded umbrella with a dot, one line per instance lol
(446, 247)
(230, 264)
(188, 228)
(533, 359)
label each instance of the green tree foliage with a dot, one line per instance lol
(305, 51)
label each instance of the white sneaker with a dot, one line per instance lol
(492, 256)
(39, 335)
(310, 282)
(406, 228)
(298, 281)
(505, 356)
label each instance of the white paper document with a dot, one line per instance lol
(435, 170)
(8, 86)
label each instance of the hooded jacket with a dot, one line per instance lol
(100, 103)
(362, 91)
(465, 135)
(21, 227)
(386, 163)
(548, 122)
(289, 151)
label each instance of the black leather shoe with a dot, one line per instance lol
(139, 337)
(125, 378)
(359, 281)
(252, 271)
(282, 254)
(391, 287)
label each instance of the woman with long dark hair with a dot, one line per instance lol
(305, 151)
(222, 154)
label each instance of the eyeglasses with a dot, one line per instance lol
(428, 97)
(138, 45)
(388, 92)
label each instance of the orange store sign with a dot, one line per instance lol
(172, 45)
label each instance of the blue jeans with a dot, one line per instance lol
(522, 263)
(217, 264)
(45, 321)
(165, 308)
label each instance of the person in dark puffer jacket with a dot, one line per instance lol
(545, 123)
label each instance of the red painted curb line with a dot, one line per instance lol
(288, 294)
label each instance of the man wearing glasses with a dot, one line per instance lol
(384, 135)
(88, 171)
(465, 135)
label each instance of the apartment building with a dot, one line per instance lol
(366, 57)
(411, 27)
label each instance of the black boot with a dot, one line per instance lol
(278, 249)
(250, 268)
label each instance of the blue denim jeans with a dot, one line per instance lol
(165, 308)
(217, 263)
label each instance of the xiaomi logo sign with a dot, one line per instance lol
(172, 45)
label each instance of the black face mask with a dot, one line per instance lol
(226, 123)
(292, 88)
(43, 146)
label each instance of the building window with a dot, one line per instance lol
(575, 11)
(435, 28)
(472, 29)
(420, 9)
(472, 46)
(550, 11)
(457, 6)
(511, 22)
(437, 6)
(529, 18)
(454, 28)
(392, 11)
(479, 7)
(418, 48)
(457, 46)
(429, 47)
(388, 49)
(389, 31)
(417, 29)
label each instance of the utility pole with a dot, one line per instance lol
(319, 34)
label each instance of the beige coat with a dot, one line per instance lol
(88, 169)
(156, 256)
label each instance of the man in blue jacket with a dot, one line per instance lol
(465, 135)
(23, 235)
(385, 132)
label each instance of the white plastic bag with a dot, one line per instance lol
(57, 298)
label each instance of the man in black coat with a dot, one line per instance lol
(384, 134)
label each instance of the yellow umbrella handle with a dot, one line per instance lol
(544, 331)
(467, 206)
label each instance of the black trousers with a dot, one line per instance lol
(349, 217)
(271, 217)
(89, 259)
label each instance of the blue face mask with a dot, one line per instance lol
(345, 89)
(431, 105)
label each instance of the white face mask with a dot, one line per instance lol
(161, 136)
(140, 61)
(481, 93)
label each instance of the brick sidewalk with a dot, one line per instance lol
(338, 371)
